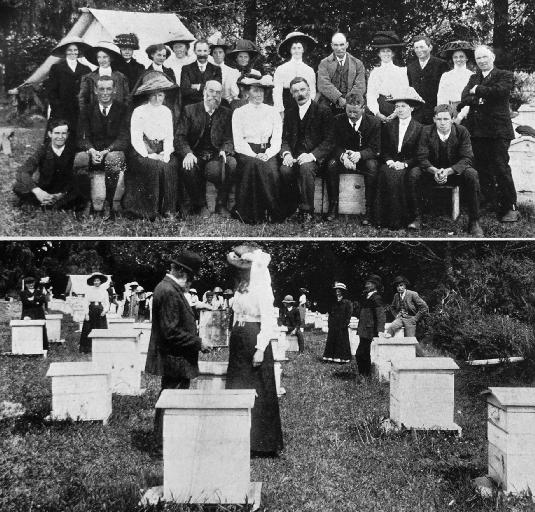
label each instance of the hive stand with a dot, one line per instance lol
(53, 328)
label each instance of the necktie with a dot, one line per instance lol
(105, 111)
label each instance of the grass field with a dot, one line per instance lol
(17, 222)
(336, 458)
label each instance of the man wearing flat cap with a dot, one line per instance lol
(290, 317)
(174, 345)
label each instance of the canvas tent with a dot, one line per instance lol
(96, 25)
(77, 284)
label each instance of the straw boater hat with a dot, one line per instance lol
(294, 37)
(105, 46)
(288, 299)
(386, 39)
(400, 279)
(450, 48)
(59, 50)
(153, 48)
(154, 81)
(244, 45)
(218, 289)
(127, 41)
(409, 96)
(339, 286)
(94, 275)
(220, 43)
(188, 260)
(265, 82)
(134, 284)
(234, 257)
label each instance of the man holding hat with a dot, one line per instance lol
(407, 307)
(291, 318)
(129, 67)
(174, 345)
(229, 75)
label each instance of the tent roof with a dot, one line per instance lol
(96, 25)
(78, 284)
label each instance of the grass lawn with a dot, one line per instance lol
(336, 458)
(34, 222)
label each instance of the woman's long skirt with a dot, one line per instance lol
(337, 348)
(266, 432)
(96, 321)
(392, 198)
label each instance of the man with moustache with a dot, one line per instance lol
(203, 140)
(307, 140)
(195, 75)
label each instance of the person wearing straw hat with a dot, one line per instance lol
(203, 139)
(152, 184)
(243, 56)
(257, 132)
(107, 57)
(337, 348)
(291, 318)
(294, 46)
(158, 54)
(243, 98)
(33, 304)
(180, 56)
(197, 74)
(129, 67)
(102, 144)
(251, 364)
(64, 79)
(230, 76)
(371, 322)
(96, 305)
(387, 79)
(399, 147)
(454, 81)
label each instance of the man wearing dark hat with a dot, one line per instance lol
(407, 307)
(196, 74)
(307, 140)
(203, 140)
(229, 75)
(291, 318)
(129, 67)
(340, 74)
(444, 158)
(174, 345)
(357, 137)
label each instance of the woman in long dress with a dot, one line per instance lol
(152, 179)
(251, 364)
(33, 305)
(97, 304)
(294, 46)
(257, 133)
(338, 348)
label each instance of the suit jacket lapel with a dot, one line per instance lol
(408, 133)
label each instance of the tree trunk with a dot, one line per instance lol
(500, 38)
(250, 20)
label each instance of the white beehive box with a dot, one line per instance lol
(144, 329)
(117, 352)
(310, 316)
(325, 323)
(81, 391)
(206, 446)
(120, 322)
(398, 334)
(291, 343)
(27, 337)
(354, 339)
(212, 376)
(53, 328)
(318, 322)
(522, 162)
(57, 305)
(351, 200)
(384, 351)
(422, 393)
(511, 438)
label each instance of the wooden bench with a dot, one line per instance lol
(455, 199)
(351, 200)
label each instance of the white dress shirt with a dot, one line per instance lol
(403, 125)
(229, 77)
(444, 137)
(156, 123)
(303, 109)
(355, 124)
(388, 80)
(157, 67)
(58, 151)
(285, 73)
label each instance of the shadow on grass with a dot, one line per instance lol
(344, 375)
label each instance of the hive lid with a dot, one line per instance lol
(426, 363)
(512, 397)
(56, 316)
(75, 368)
(410, 340)
(114, 333)
(20, 323)
(142, 325)
(121, 320)
(199, 399)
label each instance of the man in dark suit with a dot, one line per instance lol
(291, 318)
(407, 307)
(174, 345)
(489, 122)
(102, 140)
(203, 140)
(424, 75)
(195, 75)
(444, 158)
(357, 137)
(340, 74)
(307, 140)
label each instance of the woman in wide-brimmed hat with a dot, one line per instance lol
(243, 56)
(230, 76)
(257, 133)
(33, 304)
(96, 305)
(180, 56)
(152, 186)
(399, 146)
(294, 46)
(251, 364)
(64, 79)
(337, 348)
(129, 66)
(453, 82)
(388, 78)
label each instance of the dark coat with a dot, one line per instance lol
(318, 131)
(414, 304)
(168, 72)
(104, 132)
(62, 89)
(191, 74)
(131, 70)
(174, 345)
(460, 155)
(340, 315)
(191, 126)
(345, 137)
(371, 317)
(409, 147)
(34, 305)
(291, 319)
(489, 114)
(87, 94)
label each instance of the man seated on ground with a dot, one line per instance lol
(444, 158)
(357, 137)
(307, 140)
(291, 318)
(46, 178)
(203, 140)
(102, 141)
